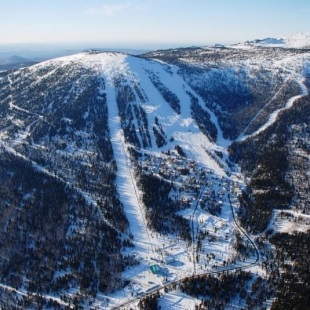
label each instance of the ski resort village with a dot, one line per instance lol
(211, 244)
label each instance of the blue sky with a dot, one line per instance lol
(149, 23)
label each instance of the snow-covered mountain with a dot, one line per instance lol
(296, 40)
(112, 163)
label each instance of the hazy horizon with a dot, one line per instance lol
(151, 24)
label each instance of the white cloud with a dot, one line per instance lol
(108, 9)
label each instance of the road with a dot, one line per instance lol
(244, 232)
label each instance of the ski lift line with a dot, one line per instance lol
(137, 196)
(193, 229)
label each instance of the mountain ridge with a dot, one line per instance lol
(295, 40)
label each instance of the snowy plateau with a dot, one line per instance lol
(176, 179)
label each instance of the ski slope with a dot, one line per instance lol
(125, 183)
(274, 115)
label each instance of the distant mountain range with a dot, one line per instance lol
(18, 56)
(15, 62)
(297, 40)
